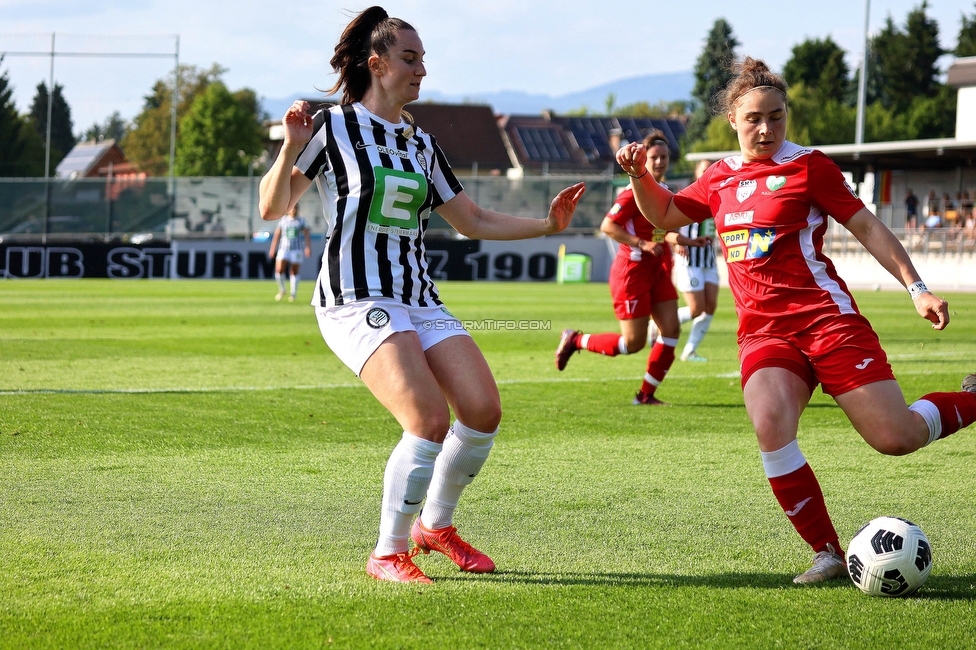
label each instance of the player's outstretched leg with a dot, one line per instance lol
(947, 413)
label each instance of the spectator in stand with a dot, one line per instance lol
(911, 210)
(933, 218)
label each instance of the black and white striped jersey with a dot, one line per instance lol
(378, 182)
(702, 257)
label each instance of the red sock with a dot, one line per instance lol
(800, 497)
(957, 410)
(658, 364)
(608, 344)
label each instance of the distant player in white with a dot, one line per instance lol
(697, 280)
(287, 240)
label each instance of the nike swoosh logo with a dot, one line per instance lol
(864, 364)
(958, 416)
(798, 508)
(411, 503)
(363, 145)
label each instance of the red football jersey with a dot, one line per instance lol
(770, 216)
(627, 215)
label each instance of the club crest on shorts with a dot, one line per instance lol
(745, 190)
(377, 318)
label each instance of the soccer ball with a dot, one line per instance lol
(889, 557)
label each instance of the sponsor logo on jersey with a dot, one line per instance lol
(850, 189)
(748, 244)
(775, 182)
(738, 218)
(377, 318)
(422, 160)
(658, 235)
(616, 208)
(745, 190)
(389, 151)
(397, 198)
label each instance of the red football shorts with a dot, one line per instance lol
(840, 353)
(635, 286)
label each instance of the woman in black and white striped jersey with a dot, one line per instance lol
(379, 177)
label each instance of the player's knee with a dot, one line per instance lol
(635, 343)
(892, 444)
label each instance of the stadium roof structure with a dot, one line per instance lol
(935, 154)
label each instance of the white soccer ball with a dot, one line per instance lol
(889, 557)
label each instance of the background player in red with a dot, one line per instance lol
(798, 323)
(640, 283)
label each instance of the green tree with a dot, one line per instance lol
(62, 136)
(712, 74)
(674, 109)
(905, 61)
(21, 151)
(966, 42)
(719, 136)
(146, 143)
(113, 128)
(815, 120)
(220, 133)
(820, 66)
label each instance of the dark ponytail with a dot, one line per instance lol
(371, 32)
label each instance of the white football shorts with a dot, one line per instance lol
(292, 257)
(689, 279)
(354, 331)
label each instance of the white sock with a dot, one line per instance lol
(699, 328)
(280, 279)
(622, 346)
(933, 419)
(684, 314)
(783, 461)
(465, 452)
(405, 484)
(294, 284)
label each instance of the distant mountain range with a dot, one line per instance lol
(648, 88)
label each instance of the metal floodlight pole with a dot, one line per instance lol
(172, 130)
(50, 111)
(47, 151)
(862, 83)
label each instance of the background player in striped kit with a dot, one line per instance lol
(377, 306)
(640, 284)
(287, 238)
(697, 279)
(798, 324)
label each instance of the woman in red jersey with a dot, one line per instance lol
(798, 324)
(640, 283)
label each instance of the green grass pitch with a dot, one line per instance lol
(187, 465)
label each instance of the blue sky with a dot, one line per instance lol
(282, 48)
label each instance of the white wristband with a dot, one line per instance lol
(916, 289)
